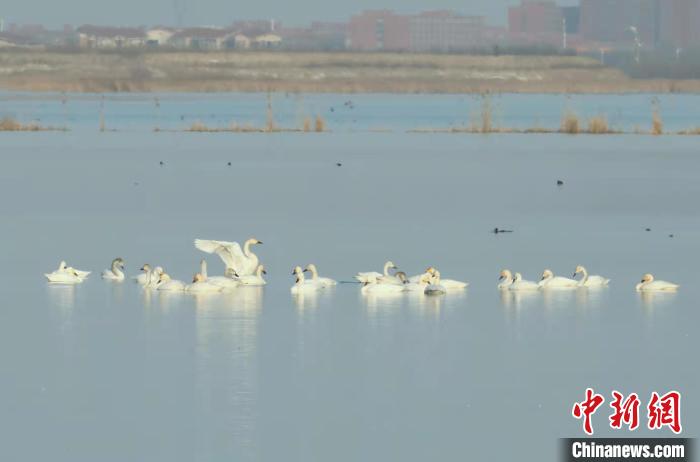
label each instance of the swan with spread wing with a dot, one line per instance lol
(242, 261)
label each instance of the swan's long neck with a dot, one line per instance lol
(116, 270)
(300, 277)
(585, 276)
(518, 277)
(314, 272)
(203, 268)
(246, 248)
(546, 279)
(386, 269)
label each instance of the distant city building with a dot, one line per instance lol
(203, 39)
(444, 31)
(440, 31)
(110, 37)
(572, 17)
(680, 24)
(159, 36)
(13, 40)
(536, 22)
(379, 30)
(267, 41)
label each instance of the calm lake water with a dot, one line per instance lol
(110, 372)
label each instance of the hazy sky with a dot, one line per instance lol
(222, 12)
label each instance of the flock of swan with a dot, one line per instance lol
(243, 268)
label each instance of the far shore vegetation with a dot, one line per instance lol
(326, 72)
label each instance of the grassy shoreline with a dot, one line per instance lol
(318, 73)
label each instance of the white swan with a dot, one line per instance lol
(81, 274)
(116, 271)
(254, 279)
(63, 276)
(549, 281)
(153, 277)
(64, 268)
(200, 285)
(520, 285)
(505, 279)
(302, 285)
(244, 262)
(649, 284)
(376, 288)
(449, 284)
(372, 276)
(590, 281)
(225, 282)
(144, 277)
(165, 283)
(435, 287)
(414, 286)
(423, 276)
(315, 277)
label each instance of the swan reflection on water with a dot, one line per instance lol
(62, 296)
(519, 299)
(652, 300)
(244, 299)
(304, 301)
(388, 303)
(381, 304)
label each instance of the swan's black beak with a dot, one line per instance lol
(501, 278)
(260, 242)
(574, 275)
(264, 271)
(306, 270)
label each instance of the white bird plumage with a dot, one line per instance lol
(200, 285)
(64, 274)
(449, 284)
(505, 279)
(435, 287)
(165, 283)
(371, 277)
(302, 285)
(254, 279)
(145, 275)
(519, 284)
(153, 277)
(243, 261)
(325, 282)
(649, 284)
(116, 270)
(549, 281)
(229, 281)
(590, 281)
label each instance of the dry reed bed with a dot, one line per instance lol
(8, 124)
(317, 72)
